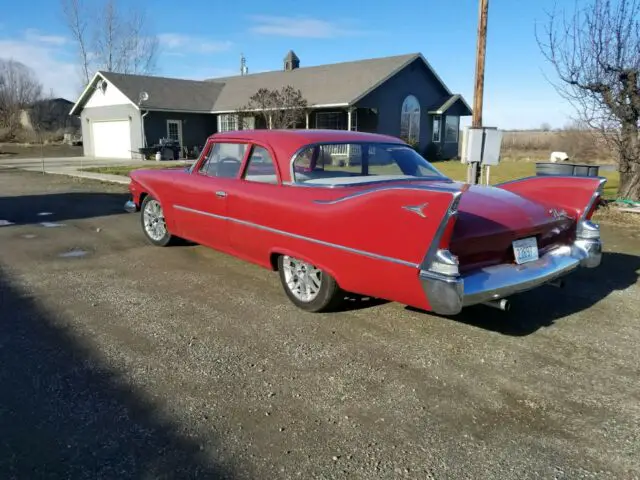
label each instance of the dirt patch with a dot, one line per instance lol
(136, 361)
(612, 215)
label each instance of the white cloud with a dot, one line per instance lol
(33, 35)
(302, 27)
(178, 41)
(48, 58)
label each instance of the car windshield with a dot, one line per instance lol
(349, 163)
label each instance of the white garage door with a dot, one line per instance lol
(111, 139)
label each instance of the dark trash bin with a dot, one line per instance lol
(567, 169)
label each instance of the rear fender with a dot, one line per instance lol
(578, 196)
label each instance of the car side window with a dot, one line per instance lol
(224, 160)
(260, 167)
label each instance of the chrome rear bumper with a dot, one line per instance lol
(448, 295)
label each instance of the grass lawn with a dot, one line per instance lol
(124, 170)
(453, 169)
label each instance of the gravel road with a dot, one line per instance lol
(123, 360)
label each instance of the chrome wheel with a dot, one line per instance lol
(154, 223)
(302, 279)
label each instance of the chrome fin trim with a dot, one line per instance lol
(370, 191)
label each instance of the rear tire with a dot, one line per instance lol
(153, 223)
(308, 287)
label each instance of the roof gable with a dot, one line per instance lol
(171, 94)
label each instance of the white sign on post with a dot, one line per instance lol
(492, 145)
(481, 146)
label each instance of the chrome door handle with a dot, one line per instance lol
(220, 193)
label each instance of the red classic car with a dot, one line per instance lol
(338, 211)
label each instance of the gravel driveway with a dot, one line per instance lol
(123, 360)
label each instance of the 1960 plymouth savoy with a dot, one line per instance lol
(338, 211)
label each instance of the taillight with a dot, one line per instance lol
(587, 230)
(445, 263)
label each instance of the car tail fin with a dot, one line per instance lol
(438, 259)
(577, 196)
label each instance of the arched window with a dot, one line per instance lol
(410, 120)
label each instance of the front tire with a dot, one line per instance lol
(308, 287)
(153, 222)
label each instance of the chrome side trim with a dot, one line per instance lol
(383, 188)
(372, 182)
(300, 237)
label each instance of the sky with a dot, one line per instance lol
(205, 38)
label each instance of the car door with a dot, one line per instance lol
(201, 197)
(253, 205)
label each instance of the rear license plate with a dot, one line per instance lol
(525, 250)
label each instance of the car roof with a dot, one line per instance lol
(286, 142)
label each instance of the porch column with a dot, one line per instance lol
(307, 120)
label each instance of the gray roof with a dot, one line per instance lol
(335, 83)
(167, 93)
(332, 84)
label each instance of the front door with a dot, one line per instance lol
(174, 131)
(201, 197)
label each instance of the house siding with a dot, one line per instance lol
(415, 79)
(196, 127)
(111, 112)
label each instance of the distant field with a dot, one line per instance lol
(581, 146)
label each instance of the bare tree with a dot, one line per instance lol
(19, 89)
(284, 108)
(595, 51)
(119, 41)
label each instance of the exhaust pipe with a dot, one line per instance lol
(557, 283)
(502, 304)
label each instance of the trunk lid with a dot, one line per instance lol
(490, 219)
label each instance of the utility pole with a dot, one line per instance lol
(476, 119)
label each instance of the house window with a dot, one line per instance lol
(227, 123)
(230, 121)
(410, 120)
(437, 121)
(174, 131)
(451, 129)
(331, 120)
(248, 123)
